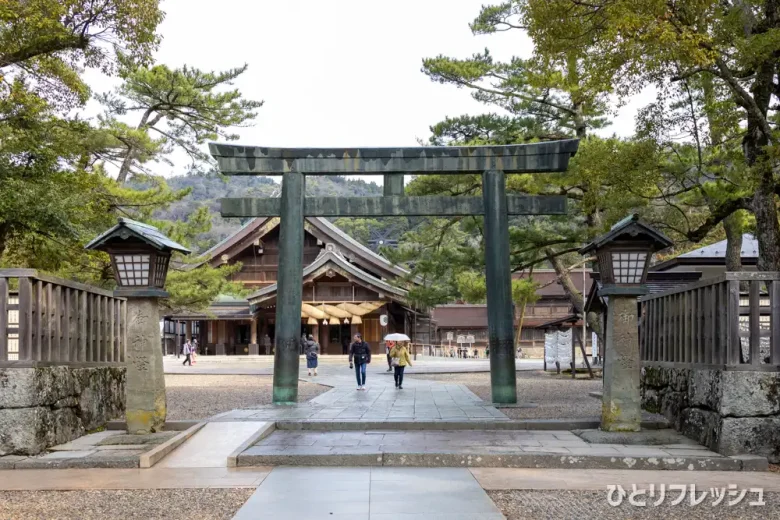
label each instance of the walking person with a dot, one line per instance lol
(312, 354)
(194, 349)
(187, 351)
(360, 354)
(400, 360)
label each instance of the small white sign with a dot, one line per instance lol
(450, 336)
(461, 339)
(383, 320)
(469, 339)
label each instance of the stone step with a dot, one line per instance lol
(471, 424)
(486, 448)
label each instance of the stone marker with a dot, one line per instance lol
(146, 406)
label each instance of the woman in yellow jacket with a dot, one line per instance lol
(399, 358)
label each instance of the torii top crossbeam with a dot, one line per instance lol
(551, 156)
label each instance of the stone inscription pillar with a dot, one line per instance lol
(621, 406)
(289, 290)
(145, 409)
(499, 289)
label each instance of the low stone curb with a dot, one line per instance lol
(537, 424)
(113, 462)
(171, 426)
(155, 455)
(530, 460)
(266, 430)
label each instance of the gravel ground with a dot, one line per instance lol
(171, 504)
(557, 397)
(199, 396)
(580, 505)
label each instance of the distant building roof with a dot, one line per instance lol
(224, 307)
(460, 316)
(713, 254)
(337, 261)
(548, 279)
(324, 229)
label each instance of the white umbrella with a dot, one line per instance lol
(397, 337)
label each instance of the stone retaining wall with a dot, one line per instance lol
(731, 412)
(46, 406)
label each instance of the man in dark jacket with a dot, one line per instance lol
(360, 354)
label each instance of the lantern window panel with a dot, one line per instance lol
(160, 270)
(628, 266)
(133, 270)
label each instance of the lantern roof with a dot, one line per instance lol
(127, 228)
(629, 229)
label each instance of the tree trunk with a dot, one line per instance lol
(767, 228)
(733, 226)
(4, 230)
(574, 295)
(520, 320)
(754, 147)
(124, 170)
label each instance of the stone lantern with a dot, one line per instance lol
(140, 256)
(623, 255)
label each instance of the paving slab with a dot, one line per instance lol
(363, 493)
(211, 445)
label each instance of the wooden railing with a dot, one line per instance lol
(46, 320)
(731, 322)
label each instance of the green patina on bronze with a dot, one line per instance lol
(391, 206)
(393, 185)
(290, 291)
(492, 161)
(499, 289)
(551, 156)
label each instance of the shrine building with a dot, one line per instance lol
(347, 288)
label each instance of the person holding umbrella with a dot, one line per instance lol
(399, 357)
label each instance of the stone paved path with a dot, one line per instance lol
(370, 494)
(263, 365)
(419, 400)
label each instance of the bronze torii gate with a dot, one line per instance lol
(493, 162)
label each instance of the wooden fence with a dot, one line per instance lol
(730, 322)
(46, 320)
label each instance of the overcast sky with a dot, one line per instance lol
(338, 73)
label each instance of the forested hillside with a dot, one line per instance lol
(208, 188)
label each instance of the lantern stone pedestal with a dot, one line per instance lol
(621, 404)
(624, 255)
(140, 255)
(145, 409)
